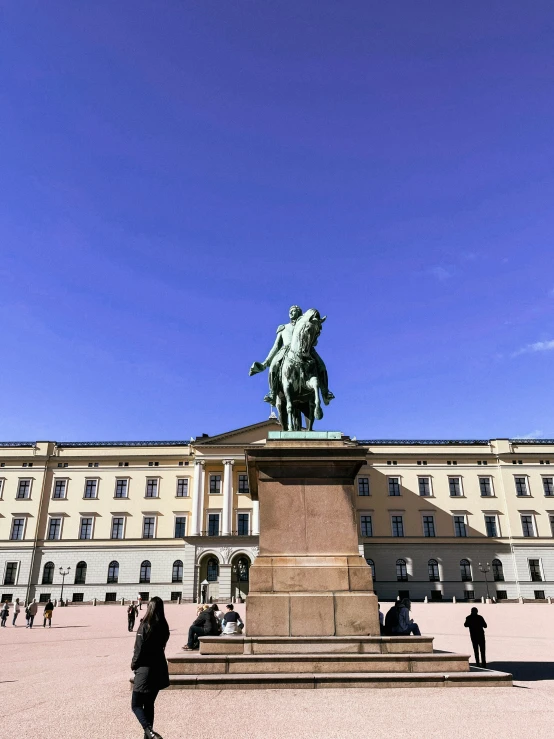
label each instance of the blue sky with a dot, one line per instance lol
(176, 174)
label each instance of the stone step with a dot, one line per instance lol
(440, 679)
(241, 664)
(315, 644)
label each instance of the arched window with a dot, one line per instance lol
(371, 563)
(48, 574)
(242, 569)
(433, 567)
(401, 570)
(213, 570)
(465, 570)
(80, 573)
(177, 574)
(145, 571)
(113, 571)
(497, 570)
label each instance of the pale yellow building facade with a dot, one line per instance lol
(176, 519)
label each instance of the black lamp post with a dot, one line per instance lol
(63, 573)
(484, 569)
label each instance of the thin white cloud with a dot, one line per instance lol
(533, 435)
(551, 293)
(441, 273)
(538, 346)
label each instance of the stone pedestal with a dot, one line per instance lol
(309, 578)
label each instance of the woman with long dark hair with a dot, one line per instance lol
(150, 665)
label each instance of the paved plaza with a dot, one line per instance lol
(72, 681)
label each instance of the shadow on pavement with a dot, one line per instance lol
(526, 671)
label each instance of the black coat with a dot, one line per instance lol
(149, 662)
(476, 625)
(208, 622)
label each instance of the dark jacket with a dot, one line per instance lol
(49, 606)
(208, 622)
(149, 662)
(476, 625)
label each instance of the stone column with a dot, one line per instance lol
(256, 518)
(197, 497)
(226, 524)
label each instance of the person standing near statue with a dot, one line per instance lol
(276, 355)
(477, 625)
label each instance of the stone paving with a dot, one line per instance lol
(71, 681)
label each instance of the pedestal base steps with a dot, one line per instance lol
(239, 663)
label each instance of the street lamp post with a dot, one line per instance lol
(484, 569)
(63, 573)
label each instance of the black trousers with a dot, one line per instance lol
(143, 707)
(131, 624)
(479, 645)
(194, 633)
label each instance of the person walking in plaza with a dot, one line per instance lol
(4, 613)
(139, 600)
(150, 665)
(48, 610)
(477, 625)
(232, 622)
(16, 611)
(132, 613)
(32, 609)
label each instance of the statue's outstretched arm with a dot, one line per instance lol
(261, 366)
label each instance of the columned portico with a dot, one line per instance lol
(226, 524)
(198, 497)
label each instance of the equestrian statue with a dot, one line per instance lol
(297, 374)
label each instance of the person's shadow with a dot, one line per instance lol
(525, 671)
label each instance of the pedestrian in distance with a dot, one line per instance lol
(132, 613)
(16, 611)
(232, 622)
(4, 613)
(48, 610)
(139, 600)
(32, 609)
(150, 665)
(477, 625)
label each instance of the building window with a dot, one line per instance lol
(243, 523)
(501, 595)
(485, 487)
(177, 572)
(421, 461)
(59, 488)
(465, 570)
(394, 486)
(110, 598)
(539, 595)
(497, 571)
(118, 525)
(180, 526)
(183, 487)
(521, 486)
(54, 528)
(469, 594)
(10, 575)
(397, 526)
(551, 519)
(213, 524)
(401, 570)
(18, 529)
(428, 525)
(48, 573)
(85, 529)
(1, 487)
(455, 487)
(212, 570)
(424, 485)
(433, 569)
(121, 488)
(176, 594)
(243, 484)
(152, 488)
(24, 489)
(491, 526)
(535, 570)
(91, 487)
(148, 527)
(548, 485)
(366, 525)
(113, 572)
(363, 485)
(80, 573)
(145, 571)
(527, 525)
(153, 464)
(460, 527)
(371, 564)
(93, 464)
(215, 484)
